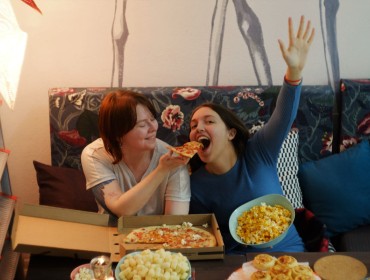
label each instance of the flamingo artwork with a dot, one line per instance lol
(251, 31)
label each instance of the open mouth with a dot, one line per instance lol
(205, 141)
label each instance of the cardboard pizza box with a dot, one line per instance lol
(128, 223)
(55, 231)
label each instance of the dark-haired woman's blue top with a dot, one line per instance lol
(253, 175)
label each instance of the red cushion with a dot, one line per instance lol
(64, 187)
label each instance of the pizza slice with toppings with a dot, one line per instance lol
(189, 149)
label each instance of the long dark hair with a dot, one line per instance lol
(231, 120)
(117, 116)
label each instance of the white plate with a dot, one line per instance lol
(247, 269)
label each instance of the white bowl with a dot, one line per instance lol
(271, 199)
(77, 270)
(118, 269)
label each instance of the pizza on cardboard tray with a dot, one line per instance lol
(189, 149)
(172, 236)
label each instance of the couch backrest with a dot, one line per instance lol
(74, 115)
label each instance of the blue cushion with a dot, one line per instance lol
(337, 188)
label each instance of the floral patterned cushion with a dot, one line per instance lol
(74, 113)
(355, 113)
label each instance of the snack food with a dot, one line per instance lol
(84, 273)
(283, 267)
(302, 271)
(189, 149)
(172, 236)
(263, 223)
(288, 261)
(159, 264)
(260, 275)
(278, 269)
(264, 261)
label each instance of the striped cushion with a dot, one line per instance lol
(287, 168)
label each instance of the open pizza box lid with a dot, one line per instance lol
(128, 223)
(55, 231)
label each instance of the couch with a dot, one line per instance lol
(323, 165)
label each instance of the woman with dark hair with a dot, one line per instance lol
(129, 170)
(236, 168)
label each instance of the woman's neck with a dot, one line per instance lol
(138, 162)
(222, 165)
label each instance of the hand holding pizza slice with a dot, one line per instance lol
(189, 149)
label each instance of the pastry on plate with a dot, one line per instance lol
(260, 275)
(288, 261)
(279, 271)
(263, 261)
(302, 270)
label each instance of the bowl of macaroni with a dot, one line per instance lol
(153, 264)
(262, 222)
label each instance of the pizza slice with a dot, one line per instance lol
(189, 149)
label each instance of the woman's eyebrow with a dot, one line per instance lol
(142, 120)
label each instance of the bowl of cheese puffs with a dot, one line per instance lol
(153, 264)
(262, 222)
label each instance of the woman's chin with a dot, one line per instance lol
(204, 156)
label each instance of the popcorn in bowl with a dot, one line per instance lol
(262, 222)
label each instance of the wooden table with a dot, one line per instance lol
(59, 268)
(312, 257)
(217, 269)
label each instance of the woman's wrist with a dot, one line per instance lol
(292, 82)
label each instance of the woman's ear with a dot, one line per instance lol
(232, 133)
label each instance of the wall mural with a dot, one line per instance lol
(119, 39)
(32, 4)
(251, 30)
(328, 19)
(252, 33)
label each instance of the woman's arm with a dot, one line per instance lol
(176, 207)
(295, 56)
(131, 201)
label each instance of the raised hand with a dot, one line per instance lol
(296, 54)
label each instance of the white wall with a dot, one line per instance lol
(70, 45)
